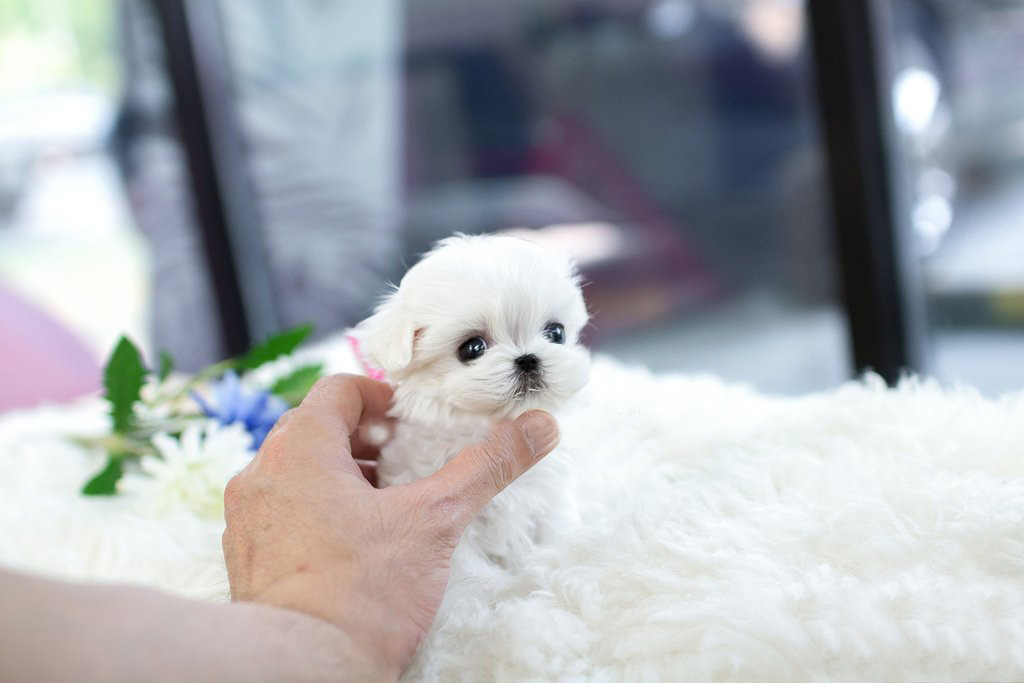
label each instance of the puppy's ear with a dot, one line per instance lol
(389, 334)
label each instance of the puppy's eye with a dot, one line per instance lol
(555, 333)
(472, 349)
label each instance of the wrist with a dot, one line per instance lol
(366, 630)
(327, 651)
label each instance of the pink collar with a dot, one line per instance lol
(371, 372)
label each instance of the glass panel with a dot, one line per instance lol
(74, 273)
(153, 165)
(670, 144)
(958, 97)
(318, 93)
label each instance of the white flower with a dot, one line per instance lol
(193, 470)
(162, 401)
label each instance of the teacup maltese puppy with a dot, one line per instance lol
(481, 329)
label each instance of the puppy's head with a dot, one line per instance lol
(486, 325)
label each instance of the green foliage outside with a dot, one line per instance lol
(54, 43)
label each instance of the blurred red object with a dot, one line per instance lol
(40, 360)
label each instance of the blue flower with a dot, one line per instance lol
(231, 402)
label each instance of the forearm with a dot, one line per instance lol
(65, 632)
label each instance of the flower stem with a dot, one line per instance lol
(117, 443)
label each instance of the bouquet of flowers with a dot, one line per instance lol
(176, 439)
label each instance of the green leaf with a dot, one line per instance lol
(105, 483)
(294, 387)
(122, 380)
(276, 346)
(166, 365)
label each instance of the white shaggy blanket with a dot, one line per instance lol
(860, 534)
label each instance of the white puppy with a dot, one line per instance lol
(483, 328)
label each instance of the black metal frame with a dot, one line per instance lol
(880, 275)
(224, 201)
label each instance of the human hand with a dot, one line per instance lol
(307, 531)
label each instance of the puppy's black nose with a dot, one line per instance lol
(528, 363)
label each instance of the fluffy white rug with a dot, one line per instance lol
(860, 534)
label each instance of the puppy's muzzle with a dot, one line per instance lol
(528, 371)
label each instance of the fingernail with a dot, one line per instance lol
(541, 432)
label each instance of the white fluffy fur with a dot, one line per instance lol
(504, 290)
(860, 534)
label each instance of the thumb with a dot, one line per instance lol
(483, 470)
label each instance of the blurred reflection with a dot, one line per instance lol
(958, 98)
(316, 93)
(669, 144)
(775, 28)
(671, 18)
(672, 146)
(915, 97)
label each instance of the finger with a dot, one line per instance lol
(347, 400)
(368, 469)
(328, 417)
(371, 436)
(281, 421)
(483, 470)
(320, 429)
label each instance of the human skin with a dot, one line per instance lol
(331, 578)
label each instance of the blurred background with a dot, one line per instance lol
(198, 173)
